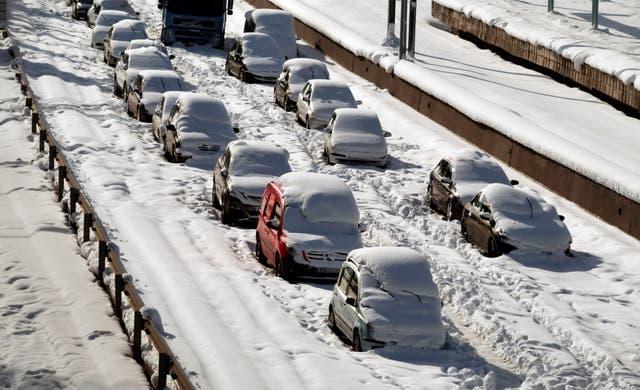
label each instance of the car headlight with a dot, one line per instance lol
(298, 254)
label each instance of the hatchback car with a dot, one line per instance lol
(278, 24)
(119, 36)
(308, 223)
(295, 74)
(105, 20)
(501, 218)
(198, 128)
(147, 89)
(134, 61)
(386, 296)
(254, 57)
(161, 113)
(318, 100)
(241, 175)
(356, 136)
(79, 8)
(456, 179)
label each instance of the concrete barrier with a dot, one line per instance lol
(599, 200)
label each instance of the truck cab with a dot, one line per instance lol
(193, 21)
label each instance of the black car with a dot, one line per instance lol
(79, 8)
(295, 74)
(254, 57)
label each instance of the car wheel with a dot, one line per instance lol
(287, 104)
(225, 214)
(284, 271)
(242, 75)
(331, 319)
(214, 197)
(356, 343)
(449, 213)
(262, 259)
(493, 250)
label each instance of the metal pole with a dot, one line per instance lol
(62, 175)
(403, 30)
(413, 9)
(391, 39)
(138, 325)
(550, 6)
(594, 13)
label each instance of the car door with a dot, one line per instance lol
(440, 184)
(351, 310)
(473, 224)
(485, 225)
(328, 133)
(340, 310)
(267, 235)
(135, 95)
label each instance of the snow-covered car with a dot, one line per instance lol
(241, 175)
(103, 5)
(501, 218)
(199, 128)
(106, 19)
(386, 296)
(278, 24)
(134, 61)
(456, 179)
(160, 116)
(119, 36)
(307, 225)
(318, 100)
(140, 43)
(79, 8)
(355, 135)
(254, 57)
(147, 89)
(295, 74)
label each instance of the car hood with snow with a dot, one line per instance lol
(398, 298)
(157, 82)
(472, 171)
(525, 221)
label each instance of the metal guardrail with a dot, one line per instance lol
(167, 364)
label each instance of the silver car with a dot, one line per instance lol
(318, 100)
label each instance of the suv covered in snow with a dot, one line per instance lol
(386, 296)
(307, 225)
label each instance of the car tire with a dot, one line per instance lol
(356, 342)
(225, 213)
(262, 259)
(331, 319)
(214, 198)
(284, 271)
(493, 249)
(449, 211)
(242, 75)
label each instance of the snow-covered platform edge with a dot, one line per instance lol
(149, 346)
(500, 133)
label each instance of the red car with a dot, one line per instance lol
(307, 224)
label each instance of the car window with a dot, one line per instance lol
(444, 169)
(484, 208)
(265, 204)
(277, 213)
(476, 202)
(352, 292)
(345, 277)
(331, 122)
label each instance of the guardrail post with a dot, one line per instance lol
(62, 175)
(403, 30)
(43, 137)
(119, 288)
(34, 122)
(164, 364)
(88, 221)
(594, 13)
(74, 195)
(52, 156)
(550, 6)
(138, 325)
(413, 9)
(28, 101)
(102, 256)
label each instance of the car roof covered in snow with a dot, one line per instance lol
(397, 269)
(111, 13)
(474, 165)
(304, 63)
(160, 73)
(507, 199)
(250, 157)
(200, 105)
(319, 197)
(257, 44)
(140, 43)
(328, 84)
(357, 120)
(130, 24)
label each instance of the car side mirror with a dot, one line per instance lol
(362, 227)
(171, 57)
(561, 217)
(514, 182)
(224, 172)
(171, 127)
(306, 99)
(121, 53)
(358, 102)
(230, 12)
(351, 301)
(328, 130)
(273, 224)
(386, 134)
(236, 129)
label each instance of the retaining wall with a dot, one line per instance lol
(601, 201)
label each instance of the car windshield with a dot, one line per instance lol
(333, 93)
(260, 47)
(153, 61)
(88, 2)
(127, 34)
(259, 163)
(296, 222)
(302, 75)
(358, 124)
(479, 170)
(161, 84)
(196, 7)
(110, 20)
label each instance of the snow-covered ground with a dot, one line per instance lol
(56, 326)
(566, 124)
(613, 48)
(539, 321)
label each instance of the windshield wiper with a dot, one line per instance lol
(412, 293)
(387, 291)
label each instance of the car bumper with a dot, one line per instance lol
(315, 271)
(243, 212)
(345, 158)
